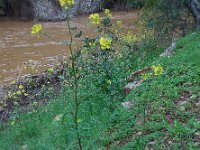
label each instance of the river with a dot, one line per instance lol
(22, 53)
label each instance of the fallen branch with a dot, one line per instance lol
(132, 82)
(138, 72)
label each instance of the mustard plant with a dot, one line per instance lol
(37, 29)
(156, 70)
(104, 50)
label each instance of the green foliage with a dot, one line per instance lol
(167, 18)
(165, 108)
(135, 3)
(124, 3)
(168, 125)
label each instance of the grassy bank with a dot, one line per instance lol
(170, 102)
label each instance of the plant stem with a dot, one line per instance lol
(75, 84)
(144, 121)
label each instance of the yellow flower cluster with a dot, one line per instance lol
(145, 76)
(158, 70)
(130, 37)
(64, 3)
(95, 18)
(107, 12)
(19, 92)
(105, 43)
(36, 29)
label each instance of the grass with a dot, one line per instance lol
(171, 105)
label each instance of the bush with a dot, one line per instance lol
(167, 19)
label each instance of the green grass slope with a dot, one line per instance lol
(171, 103)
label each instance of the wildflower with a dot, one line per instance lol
(21, 87)
(119, 22)
(36, 29)
(129, 37)
(63, 3)
(25, 94)
(158, 70)
(145, 76)
(19, 92)
(13, 94)
(13, 82)
(107, 12)
(95, 18)
(105, 43)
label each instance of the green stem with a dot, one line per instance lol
(144, 122)
(75, 84)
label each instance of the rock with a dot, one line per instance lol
(130, 86)
(58, 117)
(50, 10)
(197, 104)
(169, 51)
(127, 105)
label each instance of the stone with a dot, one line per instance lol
(50, 10)
(130, 86)
(127, 105)
(169, 51)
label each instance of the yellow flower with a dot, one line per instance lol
(21, 87)
(145, 76)
(13, 94)
(107, 12)
(63, 3)
(158, 70)
(129, 38)
(13, 82)
(95, 18)
(25, 94)
(119, 23)
(105, 43)
(19, 92)
(36, 29)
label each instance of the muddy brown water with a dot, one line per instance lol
(22, 53)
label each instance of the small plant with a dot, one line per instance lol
(156, 70)
(16, 91)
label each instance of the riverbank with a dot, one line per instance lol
(171, 112)
(22, 52)
(32, 67)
